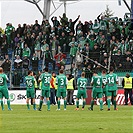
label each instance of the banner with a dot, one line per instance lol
(19, 97)
(120, 99)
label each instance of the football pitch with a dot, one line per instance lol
(21, 120)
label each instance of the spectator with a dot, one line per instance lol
(28, 41)
(18, 63)
(17, 39)
(73, 51)
(8, 32)
(64, 20)
(18, 50)
(49, 58)
(78, 60)
(91, 41)
(43, 48)
(128, 64)
(34, 61)
(60, 59)
(54, 46)
(4, 48)
(127, 84)
(19, 30)
(26, 51)
(79, 26)
(47, 27)
(26, 63)
(73, 42)
(56, 23)
(88, 73)
(36, 25)
(62, 42)
(71, 24)
(95, 53)
(105, 63)
(37, 47)
(95, 27)
(16, 80)
(6, 65)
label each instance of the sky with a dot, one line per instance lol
(20, 11)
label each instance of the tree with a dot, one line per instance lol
(108, 13)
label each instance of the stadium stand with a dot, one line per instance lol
(100, 44)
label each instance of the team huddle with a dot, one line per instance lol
(104, 84)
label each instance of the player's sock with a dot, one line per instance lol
(2, 105)
(8, 104)
(48, 104)
(40, 105)
(28, 106)
(101, 104)
(114, 104)
(108, 102)
(77, 103)
(58, 104)
(65, 102)
(92, 103)
(84, 103)
(34, 106)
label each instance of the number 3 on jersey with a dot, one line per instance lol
(61, 81)
(47, 80)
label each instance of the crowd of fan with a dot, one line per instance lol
(54, 43)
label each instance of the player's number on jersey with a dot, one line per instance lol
(104, 81)
(82, 84)
(29, 83)
(98, 81)
(47, 80)
(62, 81)
(111, 79)
(1, 80)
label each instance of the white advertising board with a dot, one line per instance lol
(19, 97)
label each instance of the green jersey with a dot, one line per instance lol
(82, 83)
(112, 80)
(3, 81)
(45, 78)
(61, 80)
(30, 81)
(104, 80)
(97, 83)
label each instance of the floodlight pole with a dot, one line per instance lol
(64, 6)
(46, 11)
(131, 9)
(125, 2)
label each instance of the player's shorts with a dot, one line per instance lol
(45, 93)
(61, 93)
(30, 93)
(4, 93)
(96, 94)
(112, 93)
(81, 94)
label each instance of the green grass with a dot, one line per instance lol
(20, 120)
